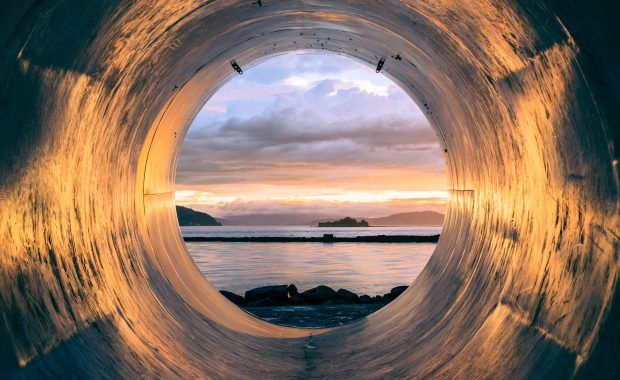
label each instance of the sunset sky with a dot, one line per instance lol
(311, 133)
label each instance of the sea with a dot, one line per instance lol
(363, 268)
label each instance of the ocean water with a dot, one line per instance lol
(364, 268)
(302, 231)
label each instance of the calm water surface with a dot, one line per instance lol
(302, 231)
(364, 268)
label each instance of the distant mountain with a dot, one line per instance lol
(189, 217)
(273, 219)
(417, 218)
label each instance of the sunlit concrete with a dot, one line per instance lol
(94, 103)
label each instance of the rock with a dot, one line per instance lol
(296, 300)
(395, 292)
(399, 290)
(292, 291)
(280, 295)
(277, 294)
(262, 302)
(232, 297)
(379, 299)
(318, 295)
(346, 296)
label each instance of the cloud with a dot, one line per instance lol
(309, 122)
(282, 206)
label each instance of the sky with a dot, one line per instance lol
(311, 133)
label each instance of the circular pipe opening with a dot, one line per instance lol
(320, 137)
(174, 122)
(95, 276)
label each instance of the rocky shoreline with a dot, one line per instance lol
(288, 295)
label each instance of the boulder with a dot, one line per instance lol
(262, 302)
(319, 295)
(395, 292)
(232, 297)
(292, 291)
(296, 300)
(346, 296)
(380, 299)
(277, 294)
(365, 299)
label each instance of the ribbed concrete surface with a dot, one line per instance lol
(94, 103)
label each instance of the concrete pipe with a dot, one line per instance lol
(95, 98)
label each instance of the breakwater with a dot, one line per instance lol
(327, 238)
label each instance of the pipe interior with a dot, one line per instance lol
(95, 277)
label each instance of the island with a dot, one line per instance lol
(345, 222)
(189, 217)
